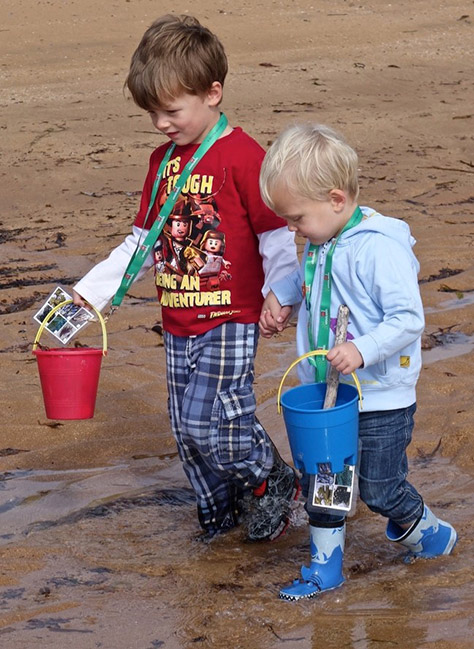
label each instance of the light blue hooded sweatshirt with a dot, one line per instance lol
(374, 273)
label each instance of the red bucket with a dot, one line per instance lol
(69, 380)
(69, 377)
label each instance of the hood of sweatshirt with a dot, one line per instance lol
(388, 226)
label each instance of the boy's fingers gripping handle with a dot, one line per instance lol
(316, 352)
(59, 306)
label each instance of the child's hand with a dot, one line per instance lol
(274, 317)
(345, 358)
(78, 299)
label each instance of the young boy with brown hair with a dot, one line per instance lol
(356, 257)
(210, 322)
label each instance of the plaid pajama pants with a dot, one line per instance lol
(221, 443)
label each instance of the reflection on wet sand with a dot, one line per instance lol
(31, 500)
(142, 544)
(449, 345)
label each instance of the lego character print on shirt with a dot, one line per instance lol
(189, 255)
(191, 243)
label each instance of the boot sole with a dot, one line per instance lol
(295, 598)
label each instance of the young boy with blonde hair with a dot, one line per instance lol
(205, 181)
(356, 257)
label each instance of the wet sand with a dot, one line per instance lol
(97, 523)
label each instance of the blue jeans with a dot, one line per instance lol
(383, 467)
(384, 437)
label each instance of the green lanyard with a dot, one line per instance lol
(143, 249)
(320, 363)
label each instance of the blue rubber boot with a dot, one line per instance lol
(325, 570)
(429, 537)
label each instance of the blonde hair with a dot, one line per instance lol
(175, 55)
(309, 160)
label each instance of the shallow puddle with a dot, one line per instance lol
(451, 344)
(457, 302)
(114, 561)
(32, 500)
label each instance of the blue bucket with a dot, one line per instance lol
(318, 435)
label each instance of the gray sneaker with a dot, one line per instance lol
(267, 507)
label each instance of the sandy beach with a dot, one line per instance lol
(97, 522)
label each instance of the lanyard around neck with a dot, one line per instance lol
(143, 249)
(320, 362)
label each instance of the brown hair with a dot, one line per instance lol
(176, 54)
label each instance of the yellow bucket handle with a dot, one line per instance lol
(59, 306)
(316, 352)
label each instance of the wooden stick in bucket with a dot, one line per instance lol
(333, 376)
